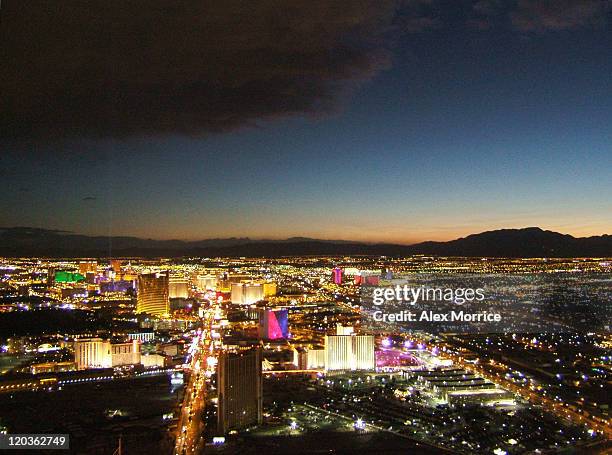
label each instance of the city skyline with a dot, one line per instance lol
(349, 226)
(413, 122)
(315, 360)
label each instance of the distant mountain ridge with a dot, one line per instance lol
(526, 242)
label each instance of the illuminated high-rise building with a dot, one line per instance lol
(90, 278)
(247, 293)
(273, 324)
(239, 382)
(178, 287)
(363, 349)
(125, 353)
(92, 353)
(315, 358)
(116, 266)
(253, 292)
(349, 352)
(337, 275)
(88, 266)
(99, 353)
(269, 289)
(62, 276)
(206, 282)
(153, 294)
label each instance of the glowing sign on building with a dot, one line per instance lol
(68, 277)
(274, 324)
(337, 275)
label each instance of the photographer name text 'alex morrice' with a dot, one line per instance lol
(413, 295)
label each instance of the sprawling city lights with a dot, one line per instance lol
(224, 367)
(306, 227)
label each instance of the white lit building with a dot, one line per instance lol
(206, 282)
(143, 337)
(99, 353)
(349, 352)
(125, 353)
(92, 353)
(315, 359)
(247, 293)
(178, 287)
(153, 360)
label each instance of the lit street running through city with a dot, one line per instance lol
(189, 439)
(558, 408)
(348, 227)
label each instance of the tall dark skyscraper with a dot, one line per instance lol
(153, 294)
(240, 390)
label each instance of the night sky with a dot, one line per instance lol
(366, 120)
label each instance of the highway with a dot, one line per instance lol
(558, 408)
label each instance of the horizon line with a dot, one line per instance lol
(300, 237)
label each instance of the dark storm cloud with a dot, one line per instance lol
(542, 15)
(418, 16)
(121, 68)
